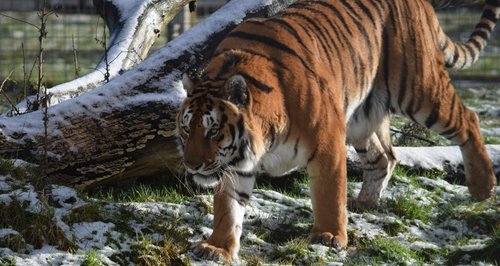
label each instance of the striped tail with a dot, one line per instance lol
(463, 55)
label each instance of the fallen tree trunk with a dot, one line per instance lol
(125, 128)
(132, 31)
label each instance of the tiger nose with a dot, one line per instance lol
(193, 164)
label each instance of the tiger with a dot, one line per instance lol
(291, 91)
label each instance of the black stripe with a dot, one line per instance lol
(472, 53)
(255, 53)
(245, 174)
(386, 67)
(263, 39)
(356, 20)
(232, 131)
(318, 30)
(377, 8)
(241, 127)
(359, 150)
(367, 107)
(433, 116)
(453, 134)
(243, 195)
(228, 64)
(481, 34)
(469, 133)
(290, 29)
(455, 55)
(376, 160)
(259, 85)
(484, 26)
(296, 148)
(380, 177)
(476, 44)
(366, 11)
(489, 15)
(452, 110)
(313, 155)
(338, 15)
(268, 41)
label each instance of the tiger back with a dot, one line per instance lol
(287, 92)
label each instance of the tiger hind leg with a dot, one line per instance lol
(448, 116)
(378, 161)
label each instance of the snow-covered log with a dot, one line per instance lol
(443, 158)
(133, 28)
(124, 128)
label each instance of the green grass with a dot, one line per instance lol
(394, 228)
(92, 258)
(8, 168)
(90, 212)
(382, 250)
(147, 253)
(36, 229)
(143, 193)
(490, 253)
(7, 261)
(408, 208)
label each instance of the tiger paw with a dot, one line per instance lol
(328, 239)
(204, 250)
(362, 205)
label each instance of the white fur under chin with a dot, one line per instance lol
(206, 181)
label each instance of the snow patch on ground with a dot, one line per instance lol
(272, 220)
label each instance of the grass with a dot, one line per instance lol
(383, 250)
(143, 193)
(394, 228)
(146, 252)
(86, 213)
(408, 208)
(36, 229)
(9, 168)
(92, 258)
(490, 253)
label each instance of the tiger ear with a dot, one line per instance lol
(187, 83)
(236, 90)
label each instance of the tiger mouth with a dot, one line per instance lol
(206, 181)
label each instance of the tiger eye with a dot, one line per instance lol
(213, 132)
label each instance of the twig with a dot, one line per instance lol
(75, 57)
(20, 20)
(413, 136)
(43, 15)
(5, 94)
(105, 45)
(25, 81)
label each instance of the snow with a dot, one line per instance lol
(268, 211)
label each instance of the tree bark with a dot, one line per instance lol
(125, 128)
(132, 31)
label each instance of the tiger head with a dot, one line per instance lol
(213, 133)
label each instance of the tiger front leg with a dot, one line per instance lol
(229, 209)
(328, 181)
